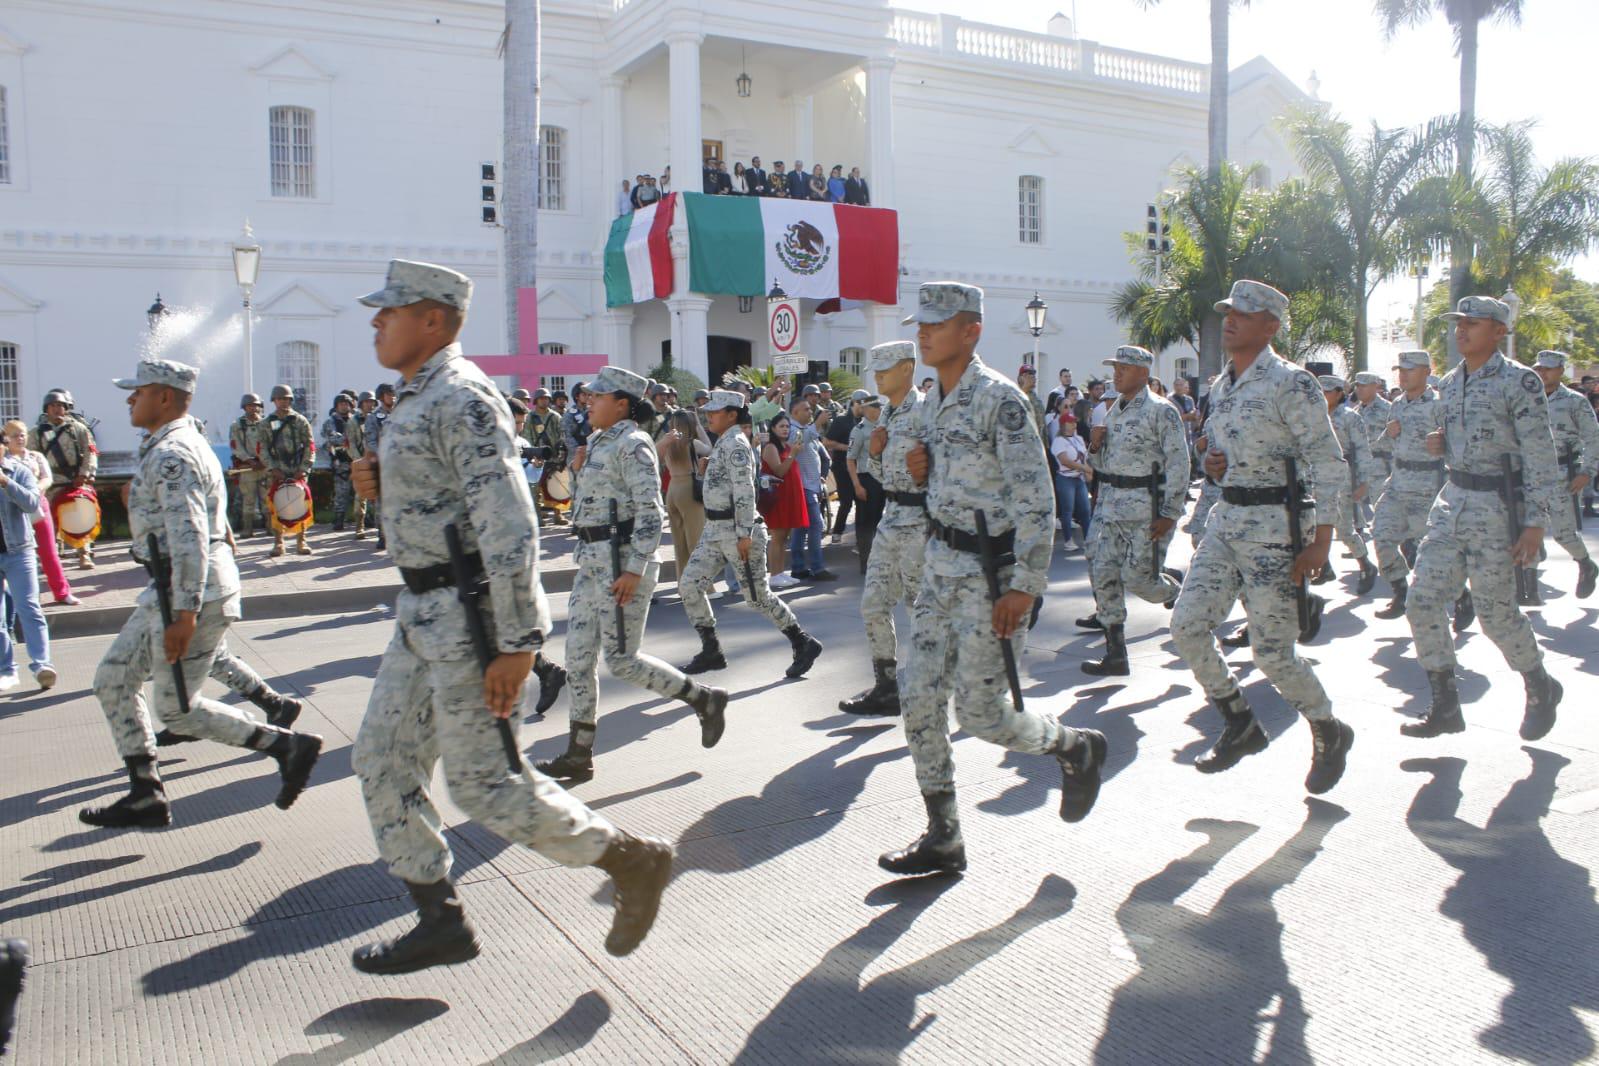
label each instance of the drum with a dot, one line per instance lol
(557, 487)
(77, 516)
(290, 501)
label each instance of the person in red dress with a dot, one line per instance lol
(787, 512)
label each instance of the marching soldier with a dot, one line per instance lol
(1495, 421)
(894, 568)
(983, 466)
(288, 451)
(68, 446)
(865, 478)
(734, 535)
(1265, 414)
(1401, 518)
(366, 405)
(233, 672)
(1343, 509)
(372, 436)
(1576, 434)
(1375, 410)
(337, 430)
(178, 496)
(617, 520)
(1126, 543)
(244, 442)
(449, 457)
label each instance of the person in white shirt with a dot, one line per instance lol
(624, 199)
(1071, 481)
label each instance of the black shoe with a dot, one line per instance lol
(281, 711)
(800, 575)
(1239, 638)
(14, 959)
(940, 850)
(1090, 622)
(1327, 575)
(1177, 576)
(882, 698)
(806, 650)
(295, 767)
(640, 869)
(1444, 715)
(576, 764)
(167, 738)
(710, 655)
(1241, 736)
(1396, 606)
(1465, 611)
(1081, 767)
(1587, 572)
(1114, 664)
(1368, 577)
(1313, 627)
(1543, 696)
(144, 807)
(442, 936)
(1531, 596)
(823, 575)
(710, 705)
(552, 679)
(1332, 740)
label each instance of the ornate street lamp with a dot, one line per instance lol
(246, 269)
(743, 80)
(1036, 310)
(156, 312)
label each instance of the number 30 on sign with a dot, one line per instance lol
(783, 327)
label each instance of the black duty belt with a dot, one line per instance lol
(1481, 482)
(907, 499)
(1566, 458)
(442, 576)
(719, 516)
(1255, 497)
(1122, 481)
(1004, 544)
(595, 534)
(1435, 466)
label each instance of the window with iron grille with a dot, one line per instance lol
(1030, 208)
(852, 359)
(10, 394)
(299, 367)
(552, 168)
(293, 152)
(552, 348)
(5, 141)
(554, 382)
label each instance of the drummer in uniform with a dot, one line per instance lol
(366, 404)
(68, 447)
(288, 450)
(244, 439)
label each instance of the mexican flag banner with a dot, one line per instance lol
(814, 249)
(638, 255)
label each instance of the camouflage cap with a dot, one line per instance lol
(1131, 355)
(1330, 382)
(724, 400)
(612, 379)
(1414, 360)
(1250, 297)
(1550, 359)
(410, 282)
(888, 356)
(939, 301)
(1366, 377)
(180, 376)
(1480, 307)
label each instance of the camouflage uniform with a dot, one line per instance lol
(244, 439)
(288, 451)
(1139, 433)
(894, 569)
(1375, 416)
(1339, 500)
(336, 441)
(1576, 436)
(1402, 511)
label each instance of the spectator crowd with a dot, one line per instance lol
(753, 179)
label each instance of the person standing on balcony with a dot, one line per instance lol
(756, 176)
(835, 184)
(624, 199)
(855, 189)
(777, 183)
(739, 185)
(799, 187)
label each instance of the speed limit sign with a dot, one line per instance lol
(783, 326)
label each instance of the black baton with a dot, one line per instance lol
(1296, 501)
(990, 563)
(161, 571)
(616, 575)
(469, 590)
(1157, 485)
(1525, 585)
(1572, 472)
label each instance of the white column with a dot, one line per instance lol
(690, 327)
(882, 324)
(616, 337)
(684, 119)
(804, 130)
(611, 130)
(880, 131)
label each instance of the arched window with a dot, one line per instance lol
(5, 141)
(293, 152)
(852, 359)
(10, 386)
(1030, 209)
(300, 368)
(552, 168)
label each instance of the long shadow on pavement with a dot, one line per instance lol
(56, 876)
(363, 1025)
(828, 1016)
(1575, 640)
(1207, 982)
(579, 1024)
(1529, 911)
(226, 861)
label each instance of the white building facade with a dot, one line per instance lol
(136, 139)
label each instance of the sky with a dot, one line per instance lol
(1540, 69)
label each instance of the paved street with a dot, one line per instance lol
(1437, 907)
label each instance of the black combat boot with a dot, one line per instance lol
(882, 698)
(710, 705)
(1396, 606)
(1312, 627)
(167, 738)
(1586, 573)
(1368, 577)
(1081, 767)
(1332, 740)
(1543, 695)
(710, 656)
(1328, 574)
(1177, 576)
(577, 762)
(552, 679)
(1407, 548)
(1090, 622)
(639, 869)
(281, 711)
(442, 936)
(1444, 715)
(296, 754)
(145, 805)
(1241, 736)
(940, 850)
(1238, 639)
(806, 649)
(14, 959)
(1114, 664)
(1465, 611)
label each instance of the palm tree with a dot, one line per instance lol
(519, 213)
(1466, 16)
(1530, 220)
(1385, 188)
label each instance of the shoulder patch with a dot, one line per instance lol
(480, 418)
(1011, 415)
(645, 455)
(1531, 382)
(171, 468)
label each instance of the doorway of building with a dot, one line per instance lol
(710, 150)
(724, 355)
